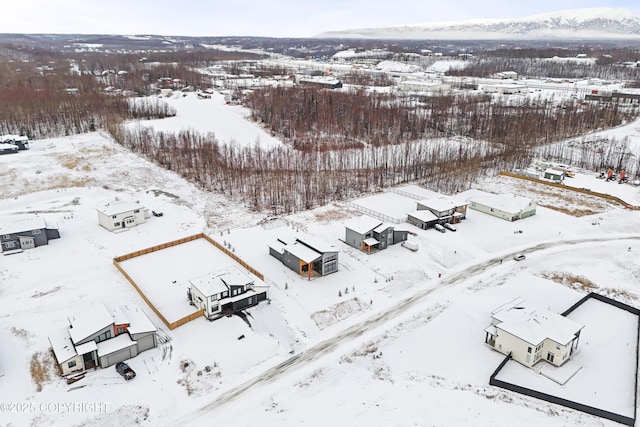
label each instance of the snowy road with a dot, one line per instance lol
(378, 320)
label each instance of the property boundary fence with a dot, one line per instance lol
(630, 421)
(576, 189)
(374, 214)
(195, 314)
(405, 194)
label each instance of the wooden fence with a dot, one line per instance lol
(576, 189)
(195, 314)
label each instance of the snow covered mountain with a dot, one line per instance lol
(594, 23)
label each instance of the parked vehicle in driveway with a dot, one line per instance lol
(410, 245)
(124, 370)
(449, 227)
(519, 257)
(440, 228)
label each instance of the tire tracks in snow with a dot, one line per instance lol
(375, 321)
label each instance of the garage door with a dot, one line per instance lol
(120, 356)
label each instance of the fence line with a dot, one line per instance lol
(374, 214)
(405, 194)
(567, 187)
(195, 314)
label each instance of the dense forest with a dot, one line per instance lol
(336, 144)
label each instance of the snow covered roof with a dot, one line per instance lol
(534, 325)
(209, 284)
(24, 224)
(114, 344)
(234, 277)
(10, 137)
(362, 224)
(439, 204)
(118, 316)
(302, 252)
(423, 215)
(89, 321)
(317, 244)
(114, 207)
(62, 346)
(370, 241)
(510, 203)
(139, 322)
(86, 347)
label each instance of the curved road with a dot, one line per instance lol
(373, 322)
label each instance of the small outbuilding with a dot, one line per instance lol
(370, 234)
(26, 233)
(532, 334)
(505, 206)
(117, 215)
(554, 175)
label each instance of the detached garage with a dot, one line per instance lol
(116, 350)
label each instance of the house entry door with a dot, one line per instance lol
(550, 357)
(27, 242)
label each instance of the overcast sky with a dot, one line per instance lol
(275, 18)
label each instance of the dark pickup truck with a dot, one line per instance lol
(124, 370)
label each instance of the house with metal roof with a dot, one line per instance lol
(26, 233)
(506, 206)
(117, 215)
(371, 235)
(225, 291)
(101, 336)
(531, 334)
(306, 256)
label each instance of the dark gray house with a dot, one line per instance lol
(26, 234)
(423, 219)
(305, 256)
(367, 234)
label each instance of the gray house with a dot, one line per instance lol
(102, 336)
(26, 234)
(306, 256)
(367, 234)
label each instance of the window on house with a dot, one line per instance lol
(529, 350)
(116, 224)
(214, 308)
(36, 231)
(250, 301)
(214, 297)
(114, 216)
(557, 346)
(10, 245)
(120, 330)
(72, 364)
(6, 237)
(136, 211)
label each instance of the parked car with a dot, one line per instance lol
(410, 245)
(124, 370)
(449, 227)
(519, 257)
(440, 228)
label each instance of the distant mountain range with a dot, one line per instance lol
(593, 24)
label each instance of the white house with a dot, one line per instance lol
(102, 336)
(118, 214)
(532, 334)
(423, 86)
(505, 206)
(226, 291)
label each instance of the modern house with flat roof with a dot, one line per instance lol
(532, 334)
(308, 257)
(370, 234)
(226, 291)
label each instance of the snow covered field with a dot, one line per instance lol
(401, 346)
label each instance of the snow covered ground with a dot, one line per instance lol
(403, 345)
